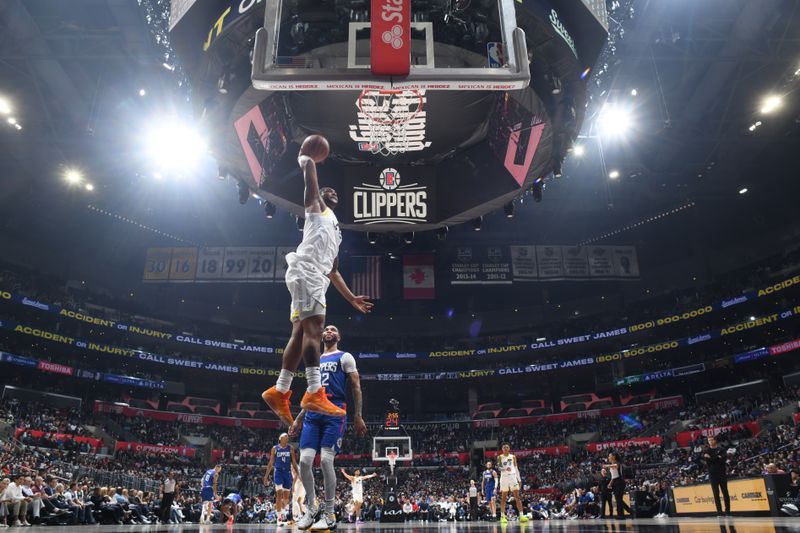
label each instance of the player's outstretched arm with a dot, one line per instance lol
(358, 421)
(370, 476)
(346, 475)
(361, 303)
(311, 197)
(294, 430)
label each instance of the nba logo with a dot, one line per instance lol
(390, 179)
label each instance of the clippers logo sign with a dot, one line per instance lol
(390, 201)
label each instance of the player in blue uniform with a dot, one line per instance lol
(322, 433)
(231, 506)
(488, 486)
(208, 493)
(283, 459)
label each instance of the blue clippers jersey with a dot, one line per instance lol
(334, 378)
(488, 477)
(208, 478)
(283, 458)
(235, 498)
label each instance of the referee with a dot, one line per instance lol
(167, 497)
(473, 500)
(716, 458)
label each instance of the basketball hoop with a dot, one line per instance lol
(389, 114)
(392, 457)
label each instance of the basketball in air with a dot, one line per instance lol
(316, 147)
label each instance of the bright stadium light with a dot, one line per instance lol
(614, 174)
(12, 120)
(743, 191)
(175, 147)
(614, 121)
(579, 150)
(142, 92)
(771, 103)
(89, 187)
(72, 176)
(5, 107)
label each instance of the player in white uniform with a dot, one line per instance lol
(298, 497)
(309, 272)
(509, 481)
(357, 485)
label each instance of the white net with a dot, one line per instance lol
(392, 122)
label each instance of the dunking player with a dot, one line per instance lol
(230, 508)
(310, 269)
(488, 486)
(283, 459)
(323, 433)
(356, 482)
(509, 481)
(208, 493)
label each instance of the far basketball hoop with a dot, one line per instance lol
(393, 121)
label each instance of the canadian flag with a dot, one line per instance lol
(418, 280)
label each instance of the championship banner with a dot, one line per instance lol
(252, 264)
(140, 447)
(418, 277)
(523, 263)
(479, 265)
(627, 443)
(533, 452)
(37, 434)
(685, 438)
(185, 418)
(747, 496)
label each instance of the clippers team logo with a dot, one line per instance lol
(389, 201)
(390, 179)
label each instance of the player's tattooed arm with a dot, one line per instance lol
(359, 302)
(358, 421)
(311, 197)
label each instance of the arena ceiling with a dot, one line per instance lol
(73, 70)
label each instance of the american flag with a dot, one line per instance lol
(366, 276)
(292, 62)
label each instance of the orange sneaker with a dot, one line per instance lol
(279, 403)
(319, 403)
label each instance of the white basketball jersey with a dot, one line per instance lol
(506, 465)
(321, 240)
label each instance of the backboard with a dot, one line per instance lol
(391, 449)
(445, 45)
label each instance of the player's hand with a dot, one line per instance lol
(294, 430)
(359, 426)
(362, 304)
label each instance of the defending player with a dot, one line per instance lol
(488, 488)
(323, 434)
(298, 497)
(509, 481)
(356, 482)
(230, 508)
(283, 459)
(208, 493)
(310, 269)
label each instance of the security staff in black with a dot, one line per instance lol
(716, 457)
